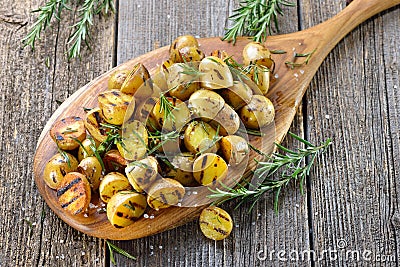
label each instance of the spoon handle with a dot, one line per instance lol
(358, 11)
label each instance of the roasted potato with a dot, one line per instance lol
(208, 168)
(219, 54)
(172, 119)
(124, 207)
(94, 119)
(238, 95)
(215, 223)
(181, 82)
(144, 114)
(200, 137)
(142, 173)
(263, 79)
(258, 113)
(136, 77)
(133, 145)
(57, 167)
(190, 54)
(114, 162)
(178, 44)
(111, 184)
(86, 148)
(66, 131)
(216, 74)
(234, 149)
(165, 193)
(161, 74)
(227, 120)
(205, 104)
(74, 193)
(113, 105)
(256, 53)
(91, 168)
(183, 171)
(117, 78)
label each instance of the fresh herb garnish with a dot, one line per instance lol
(293, 64)
(291, 164)
(254, 18)
(167, 107)
(113, 248)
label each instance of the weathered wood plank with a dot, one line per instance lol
(29, 91)
(353, 100)
(259, 232)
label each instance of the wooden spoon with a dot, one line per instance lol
(286, 93)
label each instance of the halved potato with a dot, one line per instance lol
(178, 44)
(173, 119)
(256, 53)
(200, 137)
(85, 149)
(228, 121)
(133, 145)
(238, 95)
(144, 114)
(142, 173)
(117, 78)
(215, 73)
(113, 105)
(125, 207)
(94, 119)
(66, 131)
(135, 79)
(258, 113)
(183, 171)
(215, 223)
(234, 149)
(182, 82)
(208, 168)
(205, 104)
(91, 168)
(165, 193)
(111, 184)
(74, 193)
(114, 162)
(57, 167)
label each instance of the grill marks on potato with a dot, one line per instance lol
(65, 132)
(215, 223)
(93, 121)
(208, 168)
(164, 193)
(74, 193)
(114, 104)
(111, 184)
(133, 145)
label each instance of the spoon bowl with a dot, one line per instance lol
(286, 93)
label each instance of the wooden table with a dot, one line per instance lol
(352, 199)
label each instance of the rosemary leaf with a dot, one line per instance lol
(113, 248)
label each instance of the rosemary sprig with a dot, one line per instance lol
(307, 56)
(291, 164)
(113, 248)
(167, 107)
(254, 18)
(46, 13)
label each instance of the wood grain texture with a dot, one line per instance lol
(354, 99)
(29, 91)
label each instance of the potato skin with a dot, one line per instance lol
(180, 113)
(216, 74)
(114, 162)
(181, 85)
(111, 184)
(133, 145)
(125, 207)
(57, 167)
(198, 137)
(117, 78)
(178, 44)
(114, 105)
(256, 53)
(74, 193)
(234, 149)
(91, 168)
(208, 168)
(258, 113)
(92, 123)
(238, 95)
(183, 171)
(228, 121)
(135, 79)
(165, 193)
(205, 104)
(142, 173)
(65, 131)
(85, 149)
(215, 223)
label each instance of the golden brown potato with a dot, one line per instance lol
(144, 114)
(142, 173)
(114, 162)
(234, 149)
(216, 74)
(190, 54)
(183, 171)
(215, 223)
(124, 207)
(209, 168)
(57, 167)
(200, 137)
(219, 54)
(94, 119)
(111, 184)
(205, 104)
(181, 83)
(174, 119)
(256, 53)
(117, 78)
(165, 193)
(114, 105)
(178, 44)
(228, 121)
(74, 193)
(258, 113)
(161, 74)
(133, 145)
(66, 131)
(86, 149)
(91, 168)
(135, 79)
(237, 95)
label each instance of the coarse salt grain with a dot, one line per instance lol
(276, 76)
(85, 215)
(296, 75)
(83, 253)
(151, 216)
(194, 193)
(168, 16)
(310, 118)
(301, 71)
(160, 247)
(151, 247)
(327, 117)
(146, 215)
